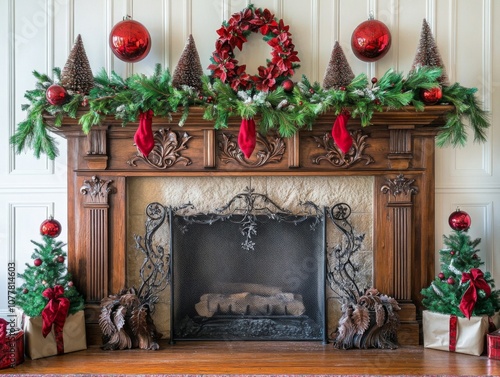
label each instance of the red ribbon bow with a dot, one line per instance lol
(144, 138)
(340, 134)
(55, 313)
(469, 299)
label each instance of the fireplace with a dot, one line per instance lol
(396, 153)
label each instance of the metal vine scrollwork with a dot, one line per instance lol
(272, 151)
(245, 208)
(399, 185)
(166, 152)
(335, 156)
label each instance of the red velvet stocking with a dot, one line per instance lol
(143, 137)
(247, 137)
(340, 133)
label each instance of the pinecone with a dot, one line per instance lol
(338, 72)
(188, 71)
(77, 75)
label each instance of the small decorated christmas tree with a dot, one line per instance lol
(428, 55)
(461, 288)
(188, 71)
(77, 75)
(338, 72)
(48, 272)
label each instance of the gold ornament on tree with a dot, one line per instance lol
(188, 71)
(77, 75)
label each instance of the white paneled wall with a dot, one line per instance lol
(40, 33)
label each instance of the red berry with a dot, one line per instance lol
(452, 252)
(441, 275)
(374, 80)
(450, 280)
(60, 259)
(311, 91)
(376, 101)
(25, 290)
(37, 262)
(70, 283)
(343, 88)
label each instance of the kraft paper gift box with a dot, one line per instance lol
(11, 346)
(74, 337)
(462, 335)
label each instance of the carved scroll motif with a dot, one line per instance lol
(166, 152)
(272, 151)
(400, 186)
(97, 190)
(335, 156)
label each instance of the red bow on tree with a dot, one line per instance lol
(469, 299)
(55, 313)
(340, 134)
(144, 138)
(247, 138)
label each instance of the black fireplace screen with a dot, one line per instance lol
(248, 271)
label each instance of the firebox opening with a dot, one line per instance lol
(248, 277)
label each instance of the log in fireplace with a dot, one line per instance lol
(397, 150)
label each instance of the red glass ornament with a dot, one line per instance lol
(288, 85)
(56, 95)
(51, 228)
(441, 275)
(431, 96)
(60, 259)
(25, 290)
(459, 220)
(371, 40)
(450, 280)
(70, 283)
(130, 41)
(37, 262)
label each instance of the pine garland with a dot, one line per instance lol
(287, 112)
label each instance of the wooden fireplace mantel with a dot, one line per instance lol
(397, 149)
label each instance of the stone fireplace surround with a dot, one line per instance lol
(392, 160)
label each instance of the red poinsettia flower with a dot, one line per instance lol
(223, 65)
(264, 20)
(241, 80)
(267, 78)
(233, 35)
(281, 28)
(242, 19)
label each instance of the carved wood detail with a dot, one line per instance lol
(401, 158)
(336, 157)
(401, 191)
(271, 150)
(166, 152)
(95, 192)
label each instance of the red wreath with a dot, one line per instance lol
(234, 33)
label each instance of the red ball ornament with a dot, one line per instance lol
(288, 85)
(130, 41)
(56, 95)
(60, 259)
(371, 40)
(452, 252)
(70, 283)
(37, 262)
(459, 220)
(441, 275)
(431, 96)
(450, 280)
(51, 228)
(25, 290)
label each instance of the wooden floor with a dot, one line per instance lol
(262, 358)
